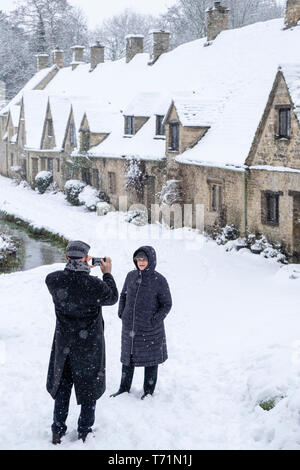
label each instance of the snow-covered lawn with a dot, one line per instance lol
(233, 339)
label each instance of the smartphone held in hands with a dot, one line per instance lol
(96, 261)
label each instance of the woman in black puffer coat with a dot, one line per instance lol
(145, 301)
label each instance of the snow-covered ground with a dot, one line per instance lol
(233, 339)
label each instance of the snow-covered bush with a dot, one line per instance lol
(222, 235)
(43, 180)
(171, 192)
(134, 175)
(104, 207)
(260, 245)
(72, 189)
(89, 197)
(17, 173)
(137, 217)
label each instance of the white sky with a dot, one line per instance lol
(96, 10)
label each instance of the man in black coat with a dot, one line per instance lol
(145, 302)
(78, 350)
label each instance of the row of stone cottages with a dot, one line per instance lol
(230, 143)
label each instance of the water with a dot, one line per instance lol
(31, 252)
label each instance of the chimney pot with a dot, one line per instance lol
(77, 56)
(42, 61)
(134, 45)
(160, 44)
(216, 20)
(97, 55)
(58, 57)
(292, 12)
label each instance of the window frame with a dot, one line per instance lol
(129, 125)
(72, 134)
(270, 215)
(174, 146)
(283, 110)
(50, 130)
(160, 128)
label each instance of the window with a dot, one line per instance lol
(43, 163)
(112, 182)
(72, 133)
(284, 122)
(50, 127)
(270, 207)
(58, 165)
(11, 159)
(216, 196)
(85, 175)
(85, 141)
(160, 128)
(50, 164)
(129, 125)
(96, 178)
(174, 136)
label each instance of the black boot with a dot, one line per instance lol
(56, 437)
(145, 395)
(119, 392)
(83, 435)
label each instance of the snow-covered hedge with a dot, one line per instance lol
(43, 180)
(73, 188)
(257, 244)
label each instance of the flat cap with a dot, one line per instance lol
(77, 249)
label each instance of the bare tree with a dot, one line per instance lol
(186, 20)
(112, 31)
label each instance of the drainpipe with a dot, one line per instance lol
(245, 201)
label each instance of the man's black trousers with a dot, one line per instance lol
(61, 407)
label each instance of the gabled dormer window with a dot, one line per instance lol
(129, 125)
(284, 122)
(174, 135)
(72, 133)
(50, 127)
(160, 128)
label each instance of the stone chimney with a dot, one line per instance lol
(292, 12)
(58, 57)
(160, 44)
(134, 45)
(77, 56)
(42, 61)
(216, 20)
(97, 55)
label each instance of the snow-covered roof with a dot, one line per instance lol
(142, 145)
(194, 111)
(35, 106)
(60, 110)
(232, 80)
(101, 119)
(30, 85)
(15, 114)
(291, 74)
(147, 103)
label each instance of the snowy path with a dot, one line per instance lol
(231, 337)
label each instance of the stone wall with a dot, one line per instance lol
(278, 182)
(270, 149)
